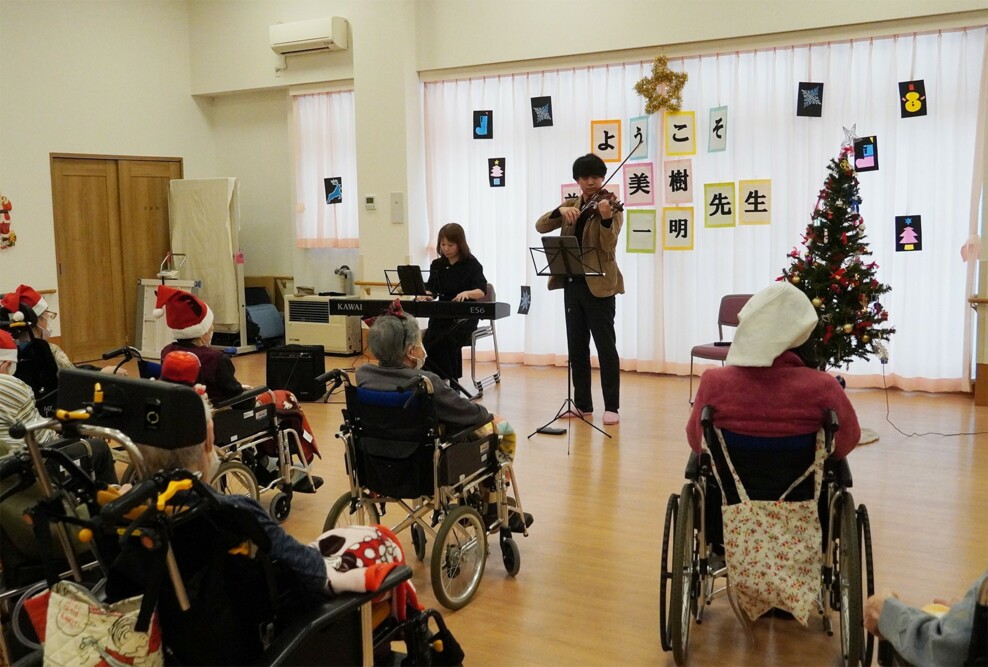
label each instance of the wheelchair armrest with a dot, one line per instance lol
(282, 650)
(250, 393)
(468, 430)
(839, 471)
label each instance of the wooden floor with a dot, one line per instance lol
(587, 592)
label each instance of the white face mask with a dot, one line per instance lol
(11, 367)
(419, 362)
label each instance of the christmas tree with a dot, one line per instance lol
(832, 272)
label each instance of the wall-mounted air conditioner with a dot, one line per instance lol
(305, 36)
(307, 322)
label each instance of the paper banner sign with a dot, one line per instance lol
(680, 132)
(809, 99)
(541, 112)
(640, 226)
(677, 228)
(908, 233)
(483, 124)
(495, 171)
(677, 176)
(569, 191)
(334, 189)
(755, 202)
(526, 300)
(912, 98)
(638, 132)
(718, 204)
(717, 140)
(639, 184)
(605, 139)
(866, 154)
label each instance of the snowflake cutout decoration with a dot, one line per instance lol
(811, 97)
(663, 89)
(526, 301)
(542, 114)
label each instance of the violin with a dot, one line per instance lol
(610, 197)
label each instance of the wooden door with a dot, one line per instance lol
(143, 227)
(85, 202)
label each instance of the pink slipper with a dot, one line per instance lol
(611, 418)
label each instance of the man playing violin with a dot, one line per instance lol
(595, 219)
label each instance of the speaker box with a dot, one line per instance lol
(295, 367)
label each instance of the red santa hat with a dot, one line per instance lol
(26, 295)
(180, 367)
(8, 348)
(187, 316)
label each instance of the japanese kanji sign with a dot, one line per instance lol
(640, 224)
(908, 233)
(605, 139)
(570, 191)
(755, 202)
(639, 183)
(717, 139)
(680, 132)
(638, 130)
(677, 176)
(718, 200)
(677, 228)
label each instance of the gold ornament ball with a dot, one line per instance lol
(817, 302)
(865, 338)
(795, 280)
(848, 328)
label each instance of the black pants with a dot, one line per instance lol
(443, 342)
(588, 315)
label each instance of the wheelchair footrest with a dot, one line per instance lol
(303, 485)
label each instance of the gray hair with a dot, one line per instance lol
(186, 458)
(390, 338)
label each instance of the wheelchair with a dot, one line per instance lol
(690, 570)
(200, 565)
(396, 454)
(261, 455)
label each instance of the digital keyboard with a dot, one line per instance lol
(449, 310)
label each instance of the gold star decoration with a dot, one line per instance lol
(664, 89)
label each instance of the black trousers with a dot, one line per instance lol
(588, 315)
(443, 342)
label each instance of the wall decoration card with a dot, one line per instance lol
(495, 172)
(677, 177)
(639, 184)
(569, 192)
(912, 98)
(526, 300)
(483, 124)
(680, 132)
(542, 111)
(677, 228)
(719, 206)
(640, 227)
(605, 139)
(334, 189)
(755, 201)
(866, 154)
(809, 99)
(717, 137)
(638, 132)
(908, 233)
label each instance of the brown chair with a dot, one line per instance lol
(485, 331)
(727, 316)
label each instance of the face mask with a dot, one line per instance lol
(420, 362)
(12, 368)
(45, 334)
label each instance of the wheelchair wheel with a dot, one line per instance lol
(458, 557)
(511, 556)
(235, 479)
(685, 573)
(340, 515)
(665, 575)
(864, 539)
(847, 564)
(280, 506)
(418, 541)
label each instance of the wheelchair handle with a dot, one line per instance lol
(140, 494)
(127, 351)
(337, 375)
(418, 380)
(250, 393)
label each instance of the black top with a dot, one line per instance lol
(447, 280)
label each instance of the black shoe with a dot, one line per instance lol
(516, 524)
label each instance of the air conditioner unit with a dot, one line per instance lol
(307, 322)
(307, 36)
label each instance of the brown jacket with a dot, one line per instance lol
(595, 235)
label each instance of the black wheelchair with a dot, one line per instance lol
(201, 563)
(397, 453)
(690, 567)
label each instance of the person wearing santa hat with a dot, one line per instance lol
(191, 322)
(26, 308)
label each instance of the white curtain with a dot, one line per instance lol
(325, 147)
(929, 166)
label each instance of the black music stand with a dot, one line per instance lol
(565, 257)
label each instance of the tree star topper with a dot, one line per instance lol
(664, 89)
